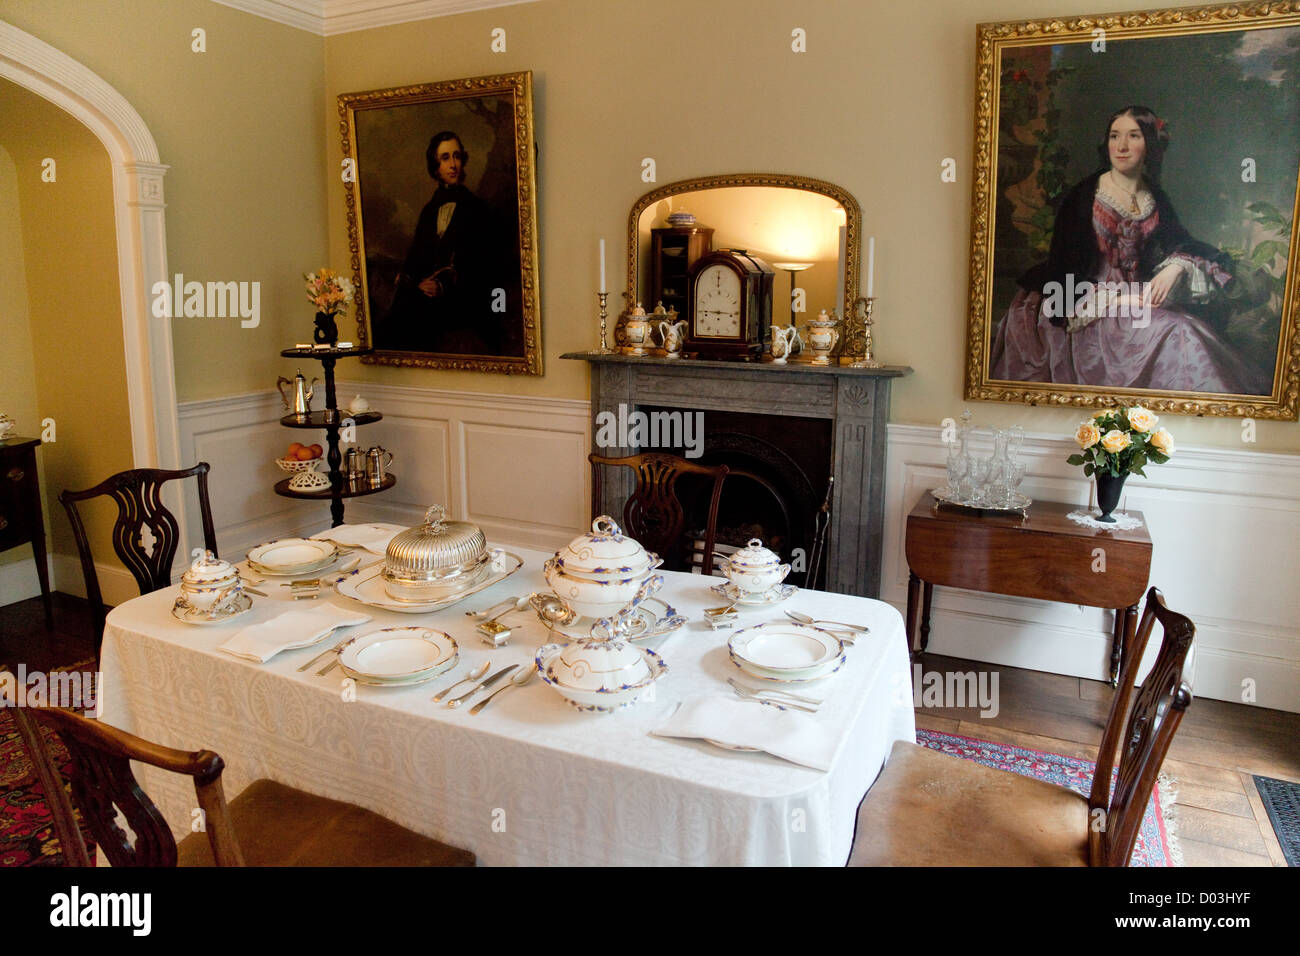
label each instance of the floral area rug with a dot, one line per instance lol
(1157, 844)
(27, 836)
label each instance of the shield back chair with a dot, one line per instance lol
(138, 495)
(269, 824)
(929, 809)
(654, 515)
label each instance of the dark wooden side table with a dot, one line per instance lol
(1044, 555)
(21, 520)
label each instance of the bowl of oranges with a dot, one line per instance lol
(300, 461)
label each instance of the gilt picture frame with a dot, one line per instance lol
(1134, 234)
(442, 223)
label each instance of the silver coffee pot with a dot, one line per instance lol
(300, 404)
(378, 459)
(354, 465)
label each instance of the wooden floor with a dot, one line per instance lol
(1220, 819)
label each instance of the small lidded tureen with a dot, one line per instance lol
(211, 585)
(604, 673)
(598, 574)
(754, 569)
(435, 560)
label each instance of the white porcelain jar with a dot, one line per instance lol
(754, 569)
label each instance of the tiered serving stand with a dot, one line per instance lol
(331, 419)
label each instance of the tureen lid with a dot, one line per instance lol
(208, 567)
(754, 557)
(605, 547)
(436, 545)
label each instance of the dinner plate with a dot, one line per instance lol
(397, 654)
(785, 648)
(404, 682)
(366, 586)
(748, 599)
(292, 556)
(192, 615)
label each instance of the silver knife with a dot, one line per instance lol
(460, 699)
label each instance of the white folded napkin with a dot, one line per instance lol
(789, 734)
(261, 642)
(373, 537)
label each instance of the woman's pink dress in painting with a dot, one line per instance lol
(1175, 352)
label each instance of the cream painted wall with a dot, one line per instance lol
(883, 94)
(72, 301)
(241, 127)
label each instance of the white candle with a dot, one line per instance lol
(871, 267)
(602, 266)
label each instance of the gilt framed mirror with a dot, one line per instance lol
(808, 230)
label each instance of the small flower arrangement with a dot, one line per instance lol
(330, 292)
(1121, 441)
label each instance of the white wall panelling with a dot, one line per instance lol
(516, 466)
(1226, 532)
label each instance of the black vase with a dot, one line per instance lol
(1108, 492)
(327, 329)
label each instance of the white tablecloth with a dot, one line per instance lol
(529, 781)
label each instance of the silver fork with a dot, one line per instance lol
(772, 690)
(780, 704)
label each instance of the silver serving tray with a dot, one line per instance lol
(366, 586)
(1019, 503)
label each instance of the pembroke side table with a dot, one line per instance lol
(21, 520)
(1042, 555)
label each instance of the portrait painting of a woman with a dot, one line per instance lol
(1148, 296)
(1133, 232)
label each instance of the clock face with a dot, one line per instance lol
(717, 303)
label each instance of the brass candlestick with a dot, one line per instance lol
(867, 304)
(604, 345)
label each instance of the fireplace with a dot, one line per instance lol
(788, 429)
(776, 485)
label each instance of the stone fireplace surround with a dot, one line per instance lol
(855, 401)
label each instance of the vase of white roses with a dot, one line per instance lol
(1116, 443)
(330, 293)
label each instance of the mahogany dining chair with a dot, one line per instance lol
(269, 824)
(929, 809)
(138, 495)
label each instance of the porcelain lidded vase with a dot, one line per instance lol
(823, 336)
(211, 584)
(754, 569)
(637, 329)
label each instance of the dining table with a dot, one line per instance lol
(529, 780)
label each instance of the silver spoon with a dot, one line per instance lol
(805, 619)
(519, 680)
(475, 674)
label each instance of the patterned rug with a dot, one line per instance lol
(27, 836)
(1157, 844)
(1282, 801)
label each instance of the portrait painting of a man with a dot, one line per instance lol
(446, 228)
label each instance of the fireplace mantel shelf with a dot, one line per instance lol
(770, 368)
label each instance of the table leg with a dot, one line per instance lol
(913, 604)
(925, 614)
(42, 567)
(1117, 643)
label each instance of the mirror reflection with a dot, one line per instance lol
(801, 234)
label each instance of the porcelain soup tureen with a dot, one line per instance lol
(599, 574)
(754, 569)
(604, 673)
(211, 585)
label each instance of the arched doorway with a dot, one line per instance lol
(140, 229)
